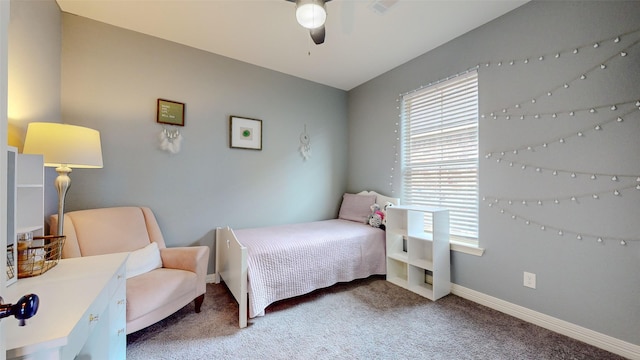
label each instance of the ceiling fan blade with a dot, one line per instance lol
(317, 35)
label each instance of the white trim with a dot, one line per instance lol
(577, 332)
(212, 279)
(466, 248)
(441, 80)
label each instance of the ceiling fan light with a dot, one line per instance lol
(310, 13)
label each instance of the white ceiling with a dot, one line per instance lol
(360, 43)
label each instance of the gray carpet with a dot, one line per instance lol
(364, 319)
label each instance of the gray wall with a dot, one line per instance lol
(34, 65)
(111, 79)
(595, 285)
(34, 74)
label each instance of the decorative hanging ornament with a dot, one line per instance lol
(170, 141)
(305, 144)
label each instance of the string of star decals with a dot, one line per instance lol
(503, 156)
(574, 198)
(620, 110)
(582, 132)
(561, 53)
(396, 155)
(600, 238)
(508, 112)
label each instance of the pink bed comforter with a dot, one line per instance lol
(290, 260)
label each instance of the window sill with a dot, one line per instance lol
(466, 248)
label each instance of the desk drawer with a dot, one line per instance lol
(118, 280)
(92, 318)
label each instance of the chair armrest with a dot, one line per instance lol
(185, 258)
(191, 258)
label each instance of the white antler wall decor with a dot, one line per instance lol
(170, 140)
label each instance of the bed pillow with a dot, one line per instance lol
(356, 207)
(143, 260)
(382, 200)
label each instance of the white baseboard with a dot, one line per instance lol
(580, 333)
(211, 278)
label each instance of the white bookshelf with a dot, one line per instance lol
(417, 260)
(12, 273)
(25, 201)
(30, 194)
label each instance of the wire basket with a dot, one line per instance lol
(38, 256)
(11, 269)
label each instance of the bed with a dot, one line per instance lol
(263, 265)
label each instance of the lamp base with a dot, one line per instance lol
(62, 184)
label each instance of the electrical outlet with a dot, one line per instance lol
(529, 280)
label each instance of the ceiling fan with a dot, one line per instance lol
(311, 14)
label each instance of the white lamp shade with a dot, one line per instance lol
(63, 144)
(310, 13)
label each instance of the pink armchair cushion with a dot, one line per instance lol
(144, 293)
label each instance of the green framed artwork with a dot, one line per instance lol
(170, 112)
(245, 133)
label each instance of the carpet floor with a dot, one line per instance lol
(363, 319)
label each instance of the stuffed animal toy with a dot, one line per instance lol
(376, 219)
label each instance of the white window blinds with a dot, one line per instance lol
(440, 150)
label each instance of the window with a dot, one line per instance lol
(440, 151)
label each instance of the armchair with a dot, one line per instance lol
(152, 295)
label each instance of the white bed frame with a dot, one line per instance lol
(231, 267)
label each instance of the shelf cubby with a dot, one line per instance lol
(397, 272)
(417, 282)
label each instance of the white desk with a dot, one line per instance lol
(82, 312)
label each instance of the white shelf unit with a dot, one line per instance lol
(12, 158)
(412, 253)
(30, 194)
(25, 201)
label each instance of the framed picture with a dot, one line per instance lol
(245, 133)
(170, 112)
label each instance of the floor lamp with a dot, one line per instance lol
(64, 147)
